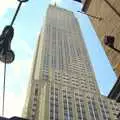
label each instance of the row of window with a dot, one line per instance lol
(68, 109)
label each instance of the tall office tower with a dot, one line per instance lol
(63, 85)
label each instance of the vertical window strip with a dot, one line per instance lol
(92, 108)
(54, 100)
(80, 107)
(67, 105)
(95, 109)
(98, 102)
(103, 108)
(49, 94)
(89, 106)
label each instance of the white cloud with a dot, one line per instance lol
(1, 68)
(16, 86)
(19, 68)
(23, 47)
(13, 104)
(17, 73)
(5, 4)
(16, 80)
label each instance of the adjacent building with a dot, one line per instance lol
(109, 11)
(115, 92)
(63, 84)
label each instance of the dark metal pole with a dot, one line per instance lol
(16, 13)
(12, 22)
(4, 83)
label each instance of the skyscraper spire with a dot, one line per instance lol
(55, 4)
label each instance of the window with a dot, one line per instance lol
(51, 98)
(56, 115)
(36, 91)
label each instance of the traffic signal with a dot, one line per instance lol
(78, 0)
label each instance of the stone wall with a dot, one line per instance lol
(109, 25)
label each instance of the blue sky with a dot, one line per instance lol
(27, 27)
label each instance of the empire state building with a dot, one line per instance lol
(62, 84)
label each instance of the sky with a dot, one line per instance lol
(27, 28)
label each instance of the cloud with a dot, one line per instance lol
(17, 73)
(21, 48)
(1, 68)
(1, 75)
(16, 80)
(19, 68)
(5, 4)
(16, 87)
(13, 104)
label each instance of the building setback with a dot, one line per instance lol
(63, 84)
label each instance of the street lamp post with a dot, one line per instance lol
(6, 54)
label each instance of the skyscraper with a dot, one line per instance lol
(62, 84)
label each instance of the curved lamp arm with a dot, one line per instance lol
(18, 8)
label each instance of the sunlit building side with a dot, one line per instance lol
(63, 84)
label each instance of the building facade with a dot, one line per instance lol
(115, 92)
(109, 11)
(63, 84)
